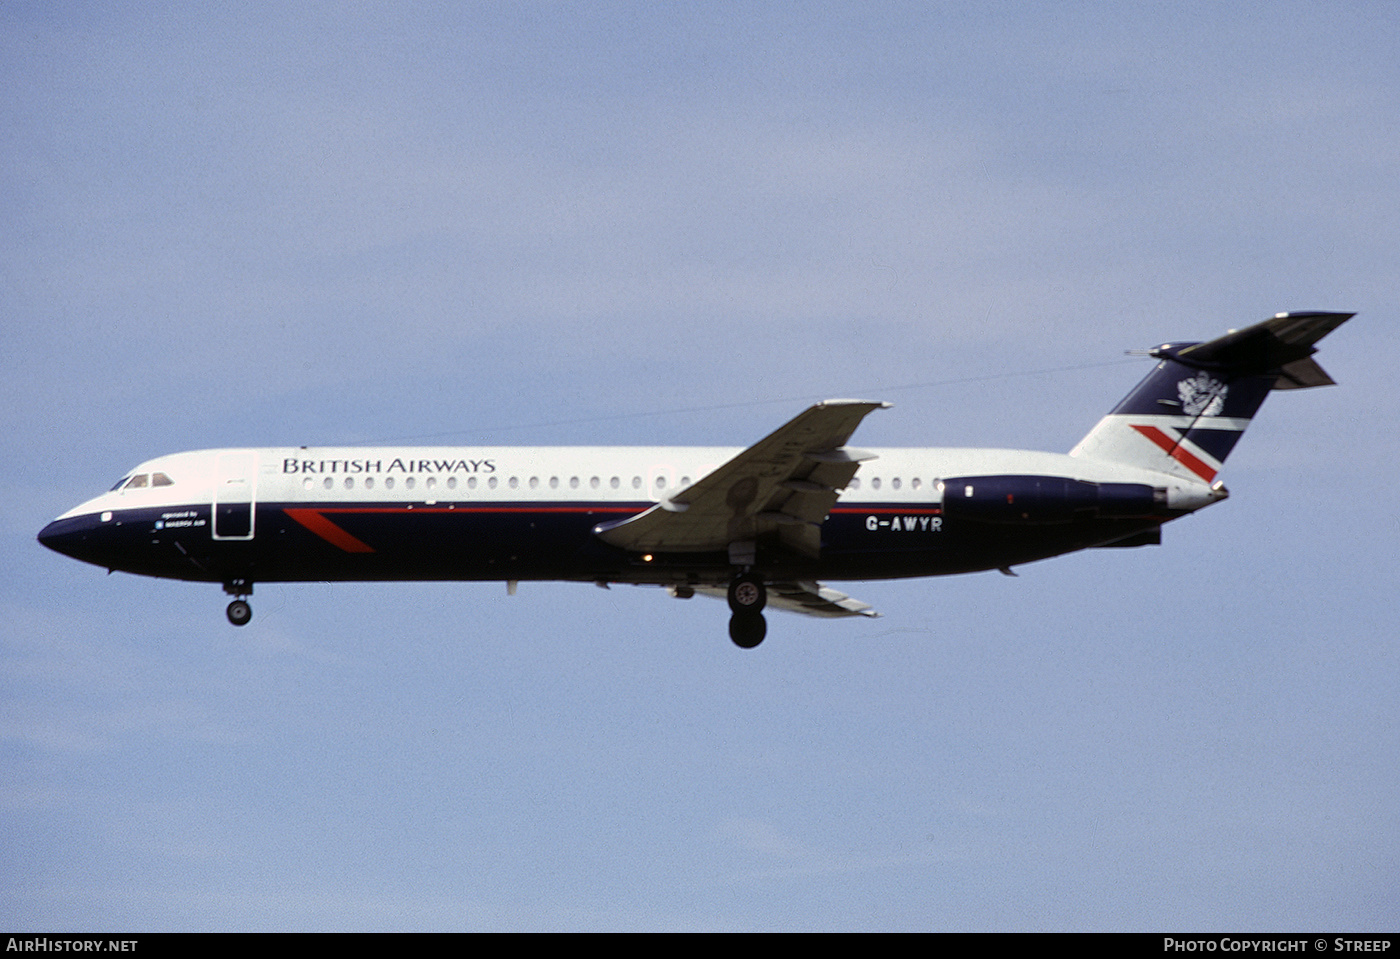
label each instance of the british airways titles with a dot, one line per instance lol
(396, 465)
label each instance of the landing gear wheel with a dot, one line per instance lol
(747, 594)
(239, 612)
(747, 629)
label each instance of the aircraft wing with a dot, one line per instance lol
(786, 482)
(808, 597)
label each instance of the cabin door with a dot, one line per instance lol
(235, 476)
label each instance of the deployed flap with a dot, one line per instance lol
(807, 597)
(785, 483)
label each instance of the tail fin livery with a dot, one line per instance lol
(1189, 412)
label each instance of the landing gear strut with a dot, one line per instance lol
(747, 597)
(239, 612)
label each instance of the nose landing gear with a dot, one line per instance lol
(747, 596)
(239, 612)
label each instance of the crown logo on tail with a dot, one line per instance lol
(1202, 395)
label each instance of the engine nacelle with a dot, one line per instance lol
(1047, 499)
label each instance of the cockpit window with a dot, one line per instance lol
(143, 480)
(120, 483)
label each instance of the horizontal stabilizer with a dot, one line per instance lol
(1302, 374)
(1281, 344)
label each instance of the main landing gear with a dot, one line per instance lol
(747, 597)
(239, 612)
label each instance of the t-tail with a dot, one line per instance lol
(1189, 412)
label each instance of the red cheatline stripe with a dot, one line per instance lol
(328, 531)
(479, 509)
(915, 511)
(1177, 452)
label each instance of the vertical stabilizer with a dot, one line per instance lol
(1189, 412)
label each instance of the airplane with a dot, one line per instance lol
(761, 527)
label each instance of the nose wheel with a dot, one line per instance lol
(239, 612)
(748, 594)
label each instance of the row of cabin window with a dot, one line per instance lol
(492, 482)
(895, 483)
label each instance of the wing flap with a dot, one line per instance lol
(806, 597)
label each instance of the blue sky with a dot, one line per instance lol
(618, 223)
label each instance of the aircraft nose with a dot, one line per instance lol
(67, 536)
(49, 535)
